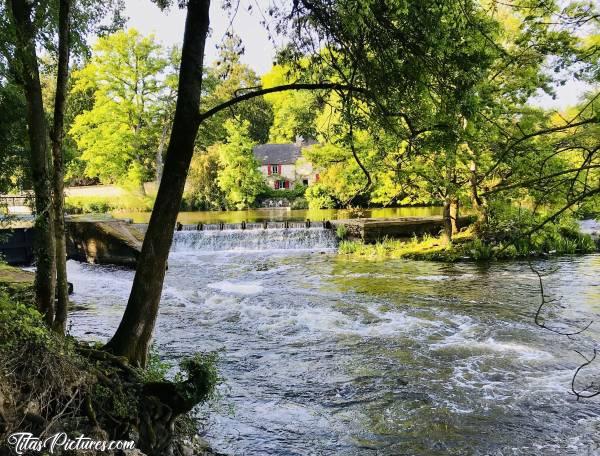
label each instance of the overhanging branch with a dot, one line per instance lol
(537, 180)
(282, 88)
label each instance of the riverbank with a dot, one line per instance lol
(468, 246)
(51, 384)
(364, 358)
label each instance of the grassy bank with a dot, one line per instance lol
(470, 245)
(104, 204)
(51, 384)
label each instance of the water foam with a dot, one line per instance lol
(243, 288)
(254, 240)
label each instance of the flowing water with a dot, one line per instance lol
(264, 214)
(322, 355)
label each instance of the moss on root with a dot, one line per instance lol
(51, 384)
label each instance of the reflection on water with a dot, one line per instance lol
(261, 215)
(325, 355)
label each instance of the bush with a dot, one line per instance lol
(480, 250)
(20, 325)
(287, 193)
(341, 232)
(300, 203)
(508, 226)
(319, 197)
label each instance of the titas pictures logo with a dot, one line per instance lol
(22, 442)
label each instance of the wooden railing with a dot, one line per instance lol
(11, 200)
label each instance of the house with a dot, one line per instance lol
(284, 166)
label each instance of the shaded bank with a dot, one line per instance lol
(51, 384)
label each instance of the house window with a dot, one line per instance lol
(274, 169)
(279, 184)
(305, 182)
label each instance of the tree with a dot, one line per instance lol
(119, 137)
(57, 136)
(355, 29)
(202, 184)
(294, 113)
(14, 151)
(224, 80)
(134, 333)
(33, 25)
(41, 158)
(239, 177)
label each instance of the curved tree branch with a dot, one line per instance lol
(536, 180)
(282, 88)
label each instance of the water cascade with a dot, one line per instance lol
(254, 239)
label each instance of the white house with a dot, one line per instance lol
(283, 164)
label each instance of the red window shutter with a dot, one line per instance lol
(287, 184)
(269, 170)
(317, 178)
(276, 185)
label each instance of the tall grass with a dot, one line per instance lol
(105, 204)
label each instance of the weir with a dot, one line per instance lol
(254, 239)
(265, 225)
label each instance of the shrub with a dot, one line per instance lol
(300, 203)
(480, 250)
(319, 198)
(341, 232)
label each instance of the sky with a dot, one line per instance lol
(168, 28)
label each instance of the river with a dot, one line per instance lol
(282, 214)
(322, 355)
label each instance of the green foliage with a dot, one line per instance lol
(102, 205)
(300, 203)
(156, 370)
(560, 238)
(319, 197)
(20, 325)
(239, 178)
(480, 250)
(341, 232)
(119, 136)
(14, 148)
(224, 80)
(202, 376)
(294, 112)
(290, 194)
(426, 247)
(202, 188)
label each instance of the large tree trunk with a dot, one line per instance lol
(478, 202)
(62, 285)
(450, 217)
(41, 160)
(134, 333)
(159, 152)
